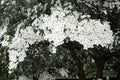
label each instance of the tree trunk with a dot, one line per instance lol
(79, 65)
(100, 67)
(100, 62)
(78, 62)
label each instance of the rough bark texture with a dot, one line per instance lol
(79, 65)
(100, 67)
(100, 62)
(77, 60)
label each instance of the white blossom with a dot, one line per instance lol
(3, 27)
(19, 44)
(87, 32)
(5, 41)
(62, 23)
(63, 72)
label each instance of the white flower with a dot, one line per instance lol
(63, 72)
(19, 44)
(87, 32)
(5, 41)
(57, 27)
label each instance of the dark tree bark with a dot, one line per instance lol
(77, 60)
(100, 62)
(79, 65)
(100, 67)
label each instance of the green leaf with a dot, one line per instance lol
(41, 31)
(10, 38)
(65, 30)
(22, 26)
(1, 22)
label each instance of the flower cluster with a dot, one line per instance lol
(61, 24)
(19, 44)
(3, 27)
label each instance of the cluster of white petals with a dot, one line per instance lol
(63, 72)
(19, 44)
(2, 30)
(5, 41)
(24, 37)
(64, 23)
(3, 27)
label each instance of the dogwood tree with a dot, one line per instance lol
(61, 26)
(87, 32)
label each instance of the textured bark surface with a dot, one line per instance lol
(77, 60)
(100, 62)
(100, 67)
(79, 65)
